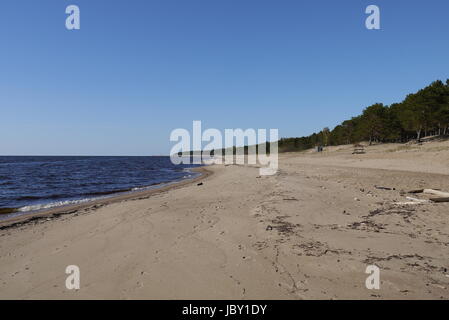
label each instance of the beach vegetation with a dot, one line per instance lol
(421, 114)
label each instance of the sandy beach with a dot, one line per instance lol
(308, 232)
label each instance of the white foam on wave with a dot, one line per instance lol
(50, 205)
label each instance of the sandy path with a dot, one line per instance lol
(308, 232)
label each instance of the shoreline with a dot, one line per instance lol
(55, 212)
(308, 232)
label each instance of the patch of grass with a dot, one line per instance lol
(402, 148)
(436, 149)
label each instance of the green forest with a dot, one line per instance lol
(420, 114)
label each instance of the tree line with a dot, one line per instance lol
(420, 114)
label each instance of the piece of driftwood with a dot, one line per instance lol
(416, 191)
(417, 200)
(439, 199)
(407, 203)
(412, 201)
(384, 188)
(422, 190)
(436, 193)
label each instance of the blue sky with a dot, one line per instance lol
(138, 69)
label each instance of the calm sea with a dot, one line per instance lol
(34, 183)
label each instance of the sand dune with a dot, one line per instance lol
(306, 233)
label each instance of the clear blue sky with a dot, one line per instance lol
(138, 69)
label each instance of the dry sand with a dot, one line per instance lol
(306, 233)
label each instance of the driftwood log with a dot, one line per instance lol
(436, 193)
(443, 196)
(439, 199)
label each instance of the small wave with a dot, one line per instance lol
(147, 187)
(51, 197)
(104, 193)
(50, 205)
(24, 198)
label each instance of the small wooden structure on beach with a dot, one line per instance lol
(359, 149)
